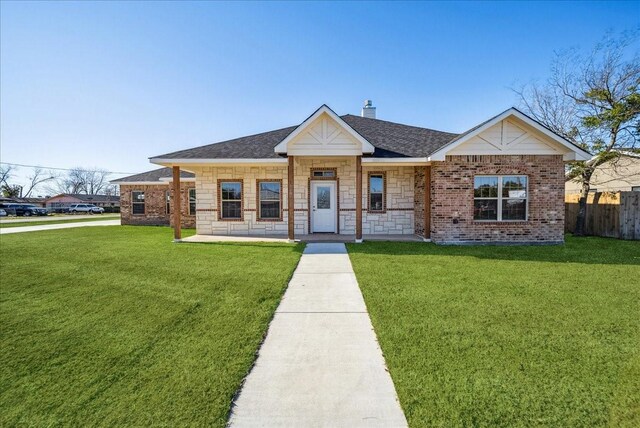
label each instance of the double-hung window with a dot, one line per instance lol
(231, 200)
(269, 200)
(137, 202)
(192, 201)
(500, 197)
(376, 192)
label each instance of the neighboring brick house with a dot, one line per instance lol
(360, 177)
(147, 198)
(62, 202)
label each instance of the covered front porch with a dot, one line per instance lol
(321, 183)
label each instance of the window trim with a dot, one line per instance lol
(167, 202)
(500, 198)
(195, 206)
(258, 200)
(384, 191)
(144, 202)
(242, 196)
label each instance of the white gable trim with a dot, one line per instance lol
(572, 152)
(282, 147)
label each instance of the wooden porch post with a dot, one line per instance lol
(290, 201)
(358, 198)
(427, 202)
(177, 205)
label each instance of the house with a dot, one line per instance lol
(146, 198)
(357, 176)
(621, 174)
(61, 202)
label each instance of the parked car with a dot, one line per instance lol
(3, 213)
(85, 208)
(26, 210)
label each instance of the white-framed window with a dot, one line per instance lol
(231, 200)
(192, 201)
(270, 196)
(168, 201)
(137, 202)
(500, 197)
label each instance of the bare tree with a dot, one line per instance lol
(6, 172)
(594, 102)
(37, 177)
(82, 180)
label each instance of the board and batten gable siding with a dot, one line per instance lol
(452, 200)
(508, 137)
(324, 135)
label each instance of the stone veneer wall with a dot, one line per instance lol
(452, 199)
(155, 211)
(207, 220)
(397, 219)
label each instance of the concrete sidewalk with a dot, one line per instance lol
(21, 229)
(320, 364)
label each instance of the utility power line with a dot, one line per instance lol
(59, 169)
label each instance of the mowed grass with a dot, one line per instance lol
(119, 326)
(17, 223)
(508, 336)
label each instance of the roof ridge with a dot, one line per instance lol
(401, 124)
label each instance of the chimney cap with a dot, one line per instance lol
(368, 111)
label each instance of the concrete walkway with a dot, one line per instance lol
(21, 229)
(9, 220)
(320, 364)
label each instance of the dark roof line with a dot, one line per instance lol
(153, 175)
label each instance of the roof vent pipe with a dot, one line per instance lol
(368, 110)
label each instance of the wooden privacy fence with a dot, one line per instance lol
(610, 214)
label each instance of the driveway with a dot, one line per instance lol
(320, 364)
(22, 229)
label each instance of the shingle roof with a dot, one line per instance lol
(390, 140)
(154, 175)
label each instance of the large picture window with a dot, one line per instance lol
(231, 200)
(269, 200)
(500, 197)
(376, 192)
(192, 201)
(137, 202)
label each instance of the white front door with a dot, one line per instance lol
(323, 206)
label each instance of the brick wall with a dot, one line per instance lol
(155, 211)
(452, 200)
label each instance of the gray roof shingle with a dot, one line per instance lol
(154, 175)
(390, 139)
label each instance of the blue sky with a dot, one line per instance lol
(110, 84)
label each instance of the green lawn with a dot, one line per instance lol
(18, 223)
(508, 336)
(119, 326)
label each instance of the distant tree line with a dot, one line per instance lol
(88, 181)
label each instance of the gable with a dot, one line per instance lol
(324, 134)
(508, 137)
(511, 133)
